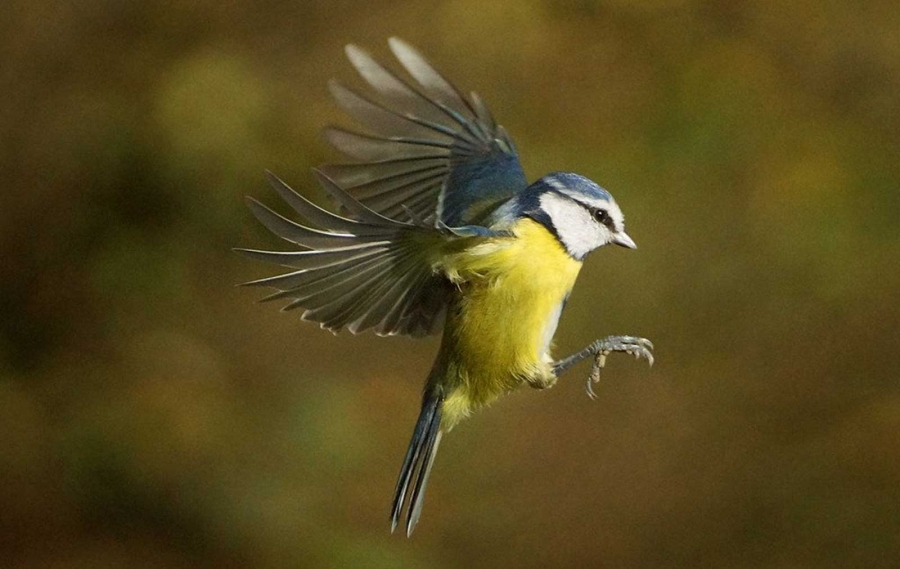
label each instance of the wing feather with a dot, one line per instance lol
(353, 175)
(300, 234)
(374, 148)
(428, 77)
(402, 94)
(321, 217)
(383, 120)
(393, 183)
(310, 283)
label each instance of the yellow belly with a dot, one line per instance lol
(499, 329)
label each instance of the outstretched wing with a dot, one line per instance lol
(432, 153)
(367, 272)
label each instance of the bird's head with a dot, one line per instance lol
(581, 214)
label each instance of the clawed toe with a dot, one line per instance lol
(638, 347)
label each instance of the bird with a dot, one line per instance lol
(436, 229)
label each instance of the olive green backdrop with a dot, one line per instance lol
(153, 415)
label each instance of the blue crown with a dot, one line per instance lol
(572, 182)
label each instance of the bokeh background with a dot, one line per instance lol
(153, 415)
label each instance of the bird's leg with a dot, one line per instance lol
(599, 349)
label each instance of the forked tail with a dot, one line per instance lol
(419, 459)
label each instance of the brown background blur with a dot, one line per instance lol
(152, 415)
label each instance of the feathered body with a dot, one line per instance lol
(502, 318)
(437, 223)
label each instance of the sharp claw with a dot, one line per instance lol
(594, 377)
(590, 389)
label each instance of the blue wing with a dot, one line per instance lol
(432, 153)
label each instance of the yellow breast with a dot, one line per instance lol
(498, 332)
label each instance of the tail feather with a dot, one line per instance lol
(418, 462)
(418, 492)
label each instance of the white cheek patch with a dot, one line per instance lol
(577, 230)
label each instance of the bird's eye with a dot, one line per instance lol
(600, 215)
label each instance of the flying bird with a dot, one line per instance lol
(437, 229)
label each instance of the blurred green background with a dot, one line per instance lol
(152, 415)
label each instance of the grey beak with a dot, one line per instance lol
(623, 240)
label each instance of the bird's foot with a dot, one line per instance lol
(638, 347)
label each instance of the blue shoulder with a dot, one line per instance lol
(477, 184)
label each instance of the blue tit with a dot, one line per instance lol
(436, 229)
